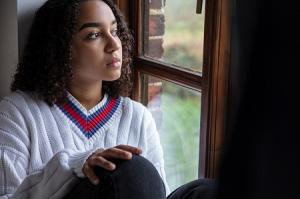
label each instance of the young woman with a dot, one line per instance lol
(68, 121)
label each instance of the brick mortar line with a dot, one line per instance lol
(157, 11)
(156, 37)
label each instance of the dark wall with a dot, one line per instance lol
(15, 20)
(26, 12)
(263, 127)
(8, 44)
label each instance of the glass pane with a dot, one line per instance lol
(175, 33)
(176, 111)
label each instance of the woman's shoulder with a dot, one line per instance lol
(136, 108)
(129, 103)
(17, 100)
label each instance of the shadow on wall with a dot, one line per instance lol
(26, 12)
(15, 19)
(8, 44)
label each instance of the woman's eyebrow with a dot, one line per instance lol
(94, 24)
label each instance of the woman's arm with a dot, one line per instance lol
(54, 180)
(17, 180)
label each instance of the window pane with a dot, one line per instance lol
(176, 111)
(175, 33)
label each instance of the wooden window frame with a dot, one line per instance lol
(213, 81)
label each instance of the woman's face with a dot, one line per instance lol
(96, 48)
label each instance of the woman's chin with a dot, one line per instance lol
(113, 77)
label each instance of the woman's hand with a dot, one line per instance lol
(100, 158)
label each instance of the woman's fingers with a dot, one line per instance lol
(131, 149)
(90, 174)
(101, 162)
(101, 158)
(96, 161)
(116, 153)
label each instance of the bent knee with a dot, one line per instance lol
(135, 178)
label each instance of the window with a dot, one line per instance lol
(175, 33)
(176, 110)
(181, 66)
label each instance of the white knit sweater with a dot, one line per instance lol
(43, 148)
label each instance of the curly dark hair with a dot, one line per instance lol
(44, 68)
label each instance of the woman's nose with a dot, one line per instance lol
(113, 43)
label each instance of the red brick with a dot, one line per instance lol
(156, 4)
(155, 48)
(156, 25)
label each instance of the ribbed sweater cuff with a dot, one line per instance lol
(77, 160)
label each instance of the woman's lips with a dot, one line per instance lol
(115, 63)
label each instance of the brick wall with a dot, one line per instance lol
(156, 28)
(155, 50)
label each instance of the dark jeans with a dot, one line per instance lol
(137, 179)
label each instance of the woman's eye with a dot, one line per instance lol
(114, 32)
(93, 35)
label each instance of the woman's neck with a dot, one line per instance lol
(88, 96)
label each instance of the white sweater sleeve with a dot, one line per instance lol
(52, 180)
(154, 151)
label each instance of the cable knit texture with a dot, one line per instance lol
(43, 148)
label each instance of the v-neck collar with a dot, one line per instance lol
(83, 109)
(97, 119)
